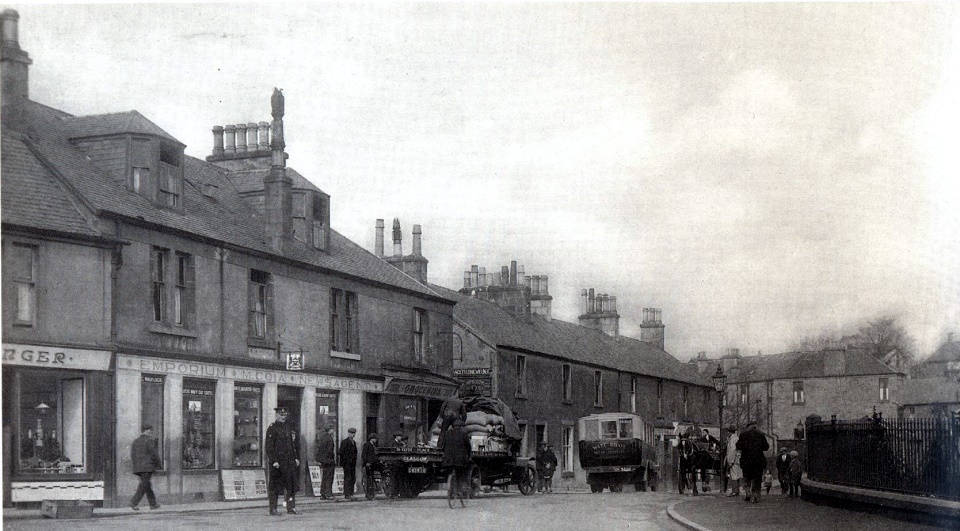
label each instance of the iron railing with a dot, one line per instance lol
(911, 456)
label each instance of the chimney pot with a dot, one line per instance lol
(397, 238)
(217, 141)
(483, 276)
(591, 302)
(544, 288)
(613, 304)
(264, 143)
(521, 276)
(513, 272)
(416, 240)
(504, 275)
(10, 28)
(252, 136)
(474, 276)
(466, 279)
(229, 136)
(378, 242)
(536, 284)
(241, 138)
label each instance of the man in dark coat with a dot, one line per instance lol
(546, 466)
(453, 409)
(371, 463)
(783, 470)
(348, 460)
(752, 444)
(456, 452)
(327, 458)
(146, 461)
(283, 458)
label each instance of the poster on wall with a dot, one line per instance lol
(316, 475)
(244, 484)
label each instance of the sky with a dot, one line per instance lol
(760, 172)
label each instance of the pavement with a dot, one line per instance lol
(715, 512)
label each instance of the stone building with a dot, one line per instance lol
(142, 285)
(943, 363)
(780, 390)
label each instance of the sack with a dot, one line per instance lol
(736, 472)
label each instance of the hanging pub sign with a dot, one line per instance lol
(294, 361)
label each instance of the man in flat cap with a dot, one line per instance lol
(348, 460)
(283, 458)
(371, 463)
(752, 444)
(146, 461)
(327, 458)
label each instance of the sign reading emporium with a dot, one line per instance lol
(212, 370)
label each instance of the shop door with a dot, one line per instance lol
(290, 398)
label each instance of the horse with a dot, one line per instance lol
(694, 458)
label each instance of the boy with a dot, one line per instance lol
(796, 471)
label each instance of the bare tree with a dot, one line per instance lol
(884, 334)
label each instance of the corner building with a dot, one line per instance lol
(143, 285)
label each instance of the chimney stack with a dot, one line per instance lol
(15, 66)
(278, 200)
(599, 312)
(652, 329)
(415, 264)
(378, 240)
(397, 239)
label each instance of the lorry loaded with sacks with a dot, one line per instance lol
(495, 442)
(617, 449)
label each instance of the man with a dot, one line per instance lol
(146, 461)
(456, 454)
(398, 440)
(283, 458)
(783, 470)
(710, 440)
(327, 458)
(371, 463)
(752, 444)
(729, 460)
(453, 409)
(348, 460)
(549, 467)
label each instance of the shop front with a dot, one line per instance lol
(413, 400)
(56, 423)
(210, 418)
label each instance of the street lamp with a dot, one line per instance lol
(720, 386)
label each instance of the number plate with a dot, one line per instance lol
(417, 470)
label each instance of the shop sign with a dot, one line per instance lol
(397, 386)
(473, 372)
(56, 357)
(294, 361)
(210, 370)
(244, 484)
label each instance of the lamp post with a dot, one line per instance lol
(720, 386)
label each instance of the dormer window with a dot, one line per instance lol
(321, 219)
(311, 217)
(170, 179)
(156, 174)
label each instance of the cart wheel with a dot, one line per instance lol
(528, 482)
(390, 487)
(596, 488)
(473, 481)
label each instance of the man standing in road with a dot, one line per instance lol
(146, 461)
(752, 444)
(456, 455)
(283, 456)
(348, 460)
(327, 458)
(783, 470)
(371, 463)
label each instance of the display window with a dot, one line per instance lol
(51, 424)
(247, 425)
(327, 412)
(198, 424)
(151, 406)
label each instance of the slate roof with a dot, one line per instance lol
(798, 365)
(247, 181)
(113, 124)
(568, 341)
(224, 218)
(949, 351)
(930, 391)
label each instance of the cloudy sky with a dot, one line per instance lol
(761, 172)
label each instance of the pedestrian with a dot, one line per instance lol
(767, 481)
(146, 461)
(736, 474)
(399, 441)
(541, 465)
(371, 464)
(327, 459)
(551, 466)
(732, 455)
(283, 456)
(456, 455)
(783, 470)
(796, 473)
(453, 409)
(348, 460)
(752, 444)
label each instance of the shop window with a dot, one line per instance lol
(566, 454)
(566, 381)
(247, 425)
(521, 375)
(344, 324)
(419, 327)
(198, 424)
(373, 414)
(151, 406)
(52, 430)
(260, 296)
(24, 267)
(327, 413)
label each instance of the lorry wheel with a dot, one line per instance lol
(616, 488)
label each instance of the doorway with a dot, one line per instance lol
(290, 398)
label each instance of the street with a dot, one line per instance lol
(509, 511)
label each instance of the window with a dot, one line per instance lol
(597, 388)
(565, 381)
(591, 430)
(300, 217)
(158, 270)
(198, 424)
(247, 425)
(625, 429)
(261, 306)
(686, 395)
(138, 178)
(320, 220)
(52, 429)
(344, 329)
(541, 433)
(521, 375)
(327, 413)
(419, 325)
(566, 455)
(24, 267)
(884, 389)
(744, 396)
(169, 184)
(608, 429)
(633, 394)
(151, 406)
(183, 295)
(659, 398)
(798, 393)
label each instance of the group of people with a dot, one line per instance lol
(745, 461)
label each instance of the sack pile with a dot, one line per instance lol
(477, 423)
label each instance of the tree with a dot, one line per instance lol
(882, 335)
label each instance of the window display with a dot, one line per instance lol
(198, 424)
(151, 407)
(51, 423)
(247, 423)
(327, 412)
